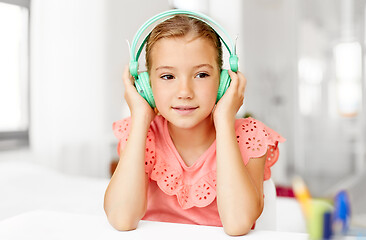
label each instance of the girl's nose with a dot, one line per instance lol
(185, 89)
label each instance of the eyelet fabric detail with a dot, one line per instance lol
(256, 139)
(170, 181)
(121, 130)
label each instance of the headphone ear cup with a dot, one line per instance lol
(143, 87)
(224, 84)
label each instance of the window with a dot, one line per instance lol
(14, 76)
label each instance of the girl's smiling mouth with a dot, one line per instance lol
(184, 110)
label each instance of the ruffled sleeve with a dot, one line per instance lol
(255, 139)
(121, 130)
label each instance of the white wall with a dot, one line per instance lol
(67, 69)
(270, 52)
(78, 51)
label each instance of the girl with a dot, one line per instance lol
(190, 161)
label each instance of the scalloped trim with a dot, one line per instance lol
(170, 181)
(121, 129)
(257, 139)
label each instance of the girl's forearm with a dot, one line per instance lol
(238, 199)
(126, 196)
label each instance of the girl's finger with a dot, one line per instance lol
(234, 79)
(127, 78)
(242, 82)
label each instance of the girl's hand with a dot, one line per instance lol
(229, 104)
(139, 107)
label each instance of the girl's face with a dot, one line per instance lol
(184, 78)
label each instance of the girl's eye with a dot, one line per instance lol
(167, 77)
(202, 75)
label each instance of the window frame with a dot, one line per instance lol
(19, 139)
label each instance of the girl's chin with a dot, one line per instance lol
(182, 124)
(189, 123)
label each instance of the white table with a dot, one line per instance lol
(50, 225)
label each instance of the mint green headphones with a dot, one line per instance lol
(142, 80)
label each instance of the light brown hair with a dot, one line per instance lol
(180, 26)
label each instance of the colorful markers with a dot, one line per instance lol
(323, 219)
(302, 194)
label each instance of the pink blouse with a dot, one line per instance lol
(181, 194)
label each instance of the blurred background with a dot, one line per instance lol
(60, 81)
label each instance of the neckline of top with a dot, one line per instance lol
(198, 162)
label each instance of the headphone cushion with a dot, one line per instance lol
(144, 88)
(224, 84)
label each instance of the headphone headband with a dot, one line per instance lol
(233, 61)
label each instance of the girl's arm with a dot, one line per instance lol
(239, 187)
(125, 199)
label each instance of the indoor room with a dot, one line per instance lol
(63, 94)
